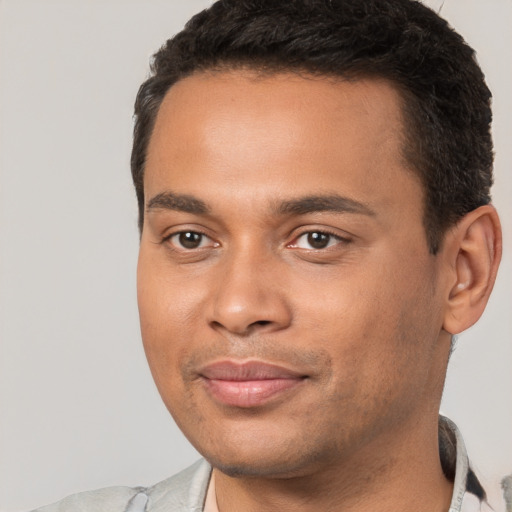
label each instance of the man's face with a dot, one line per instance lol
(290, 310)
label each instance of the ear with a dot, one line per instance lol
(473, 252)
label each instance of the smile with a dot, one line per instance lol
(249, 384)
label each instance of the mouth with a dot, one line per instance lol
(248, 384)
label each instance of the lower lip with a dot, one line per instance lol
(250, 393)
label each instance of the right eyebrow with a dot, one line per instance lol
(178, 202)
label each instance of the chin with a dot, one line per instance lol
(268, 463)
(258, 469)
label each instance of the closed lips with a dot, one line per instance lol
(246, 371)
(248, 384)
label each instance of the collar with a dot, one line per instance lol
(455, 464)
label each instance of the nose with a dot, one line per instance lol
(250, 295)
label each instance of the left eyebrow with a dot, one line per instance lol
(320, 203)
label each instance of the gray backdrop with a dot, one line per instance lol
(78, 409)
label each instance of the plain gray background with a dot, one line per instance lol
(78, 409)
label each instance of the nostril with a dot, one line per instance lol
(260, 323)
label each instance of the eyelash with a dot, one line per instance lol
(169, 237)
(327, 232)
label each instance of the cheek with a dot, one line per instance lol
(376, 321)
(347, 306)
(166, 316)
(165, 336)
(169, 300)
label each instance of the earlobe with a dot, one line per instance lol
(475, 253)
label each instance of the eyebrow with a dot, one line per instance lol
(321, 203)
(300, 206)
(178, 202)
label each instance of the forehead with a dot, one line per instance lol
(287, 103)
(275, 132)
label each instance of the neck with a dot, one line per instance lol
(399, 471)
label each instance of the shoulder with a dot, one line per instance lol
(112, 499)
(184, 491)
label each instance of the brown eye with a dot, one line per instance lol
(318, 240)
(190, 240)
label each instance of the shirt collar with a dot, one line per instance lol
(455, 463)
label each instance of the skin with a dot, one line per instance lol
(366, 321)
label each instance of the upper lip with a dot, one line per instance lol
(247, 371)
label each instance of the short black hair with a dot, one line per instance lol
(446, 102)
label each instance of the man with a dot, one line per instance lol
(313, 183)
